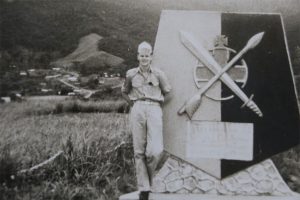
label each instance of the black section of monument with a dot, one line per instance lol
(271, 82)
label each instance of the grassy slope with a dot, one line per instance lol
(98, 157)
(97, 160)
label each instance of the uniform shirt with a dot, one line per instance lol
(151, 85)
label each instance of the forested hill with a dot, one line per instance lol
(54, 27)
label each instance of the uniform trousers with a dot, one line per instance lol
(146, 128)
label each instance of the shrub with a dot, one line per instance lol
(75, 106)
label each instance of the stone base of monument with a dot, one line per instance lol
(160, 196)
(182, 181)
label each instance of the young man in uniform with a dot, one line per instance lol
(144, 88)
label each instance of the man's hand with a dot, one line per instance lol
(168, 97)
(126, 97)
(130, 103)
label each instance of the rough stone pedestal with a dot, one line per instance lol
(181, 181)
(158, 196)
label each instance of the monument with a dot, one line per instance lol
(233, 105)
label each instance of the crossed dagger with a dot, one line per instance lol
(195, 47)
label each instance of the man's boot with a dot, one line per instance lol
(144, 195)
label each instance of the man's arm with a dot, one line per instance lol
(126, 87)
(165, 86)
(126, 97)
(168, 97)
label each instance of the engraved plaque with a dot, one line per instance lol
(220, 140)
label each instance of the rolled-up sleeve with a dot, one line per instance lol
(126, 87)
(164, 83)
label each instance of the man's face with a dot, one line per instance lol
(144, 58)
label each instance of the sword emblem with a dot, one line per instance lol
(196, 48)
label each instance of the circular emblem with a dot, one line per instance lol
(238, 73)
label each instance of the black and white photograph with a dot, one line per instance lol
(149, 100)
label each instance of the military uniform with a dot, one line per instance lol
(147, 91)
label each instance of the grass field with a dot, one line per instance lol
(97, 159)
(96, 163)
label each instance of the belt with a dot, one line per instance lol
(147, 102)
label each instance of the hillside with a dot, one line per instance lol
(56, 26)
(35, 33)
(88, 59)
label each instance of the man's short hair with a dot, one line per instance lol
(144, 47)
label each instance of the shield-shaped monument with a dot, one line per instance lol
(233, 102)
(234, 137)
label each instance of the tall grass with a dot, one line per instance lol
(97, 159)
(53, 106)
(97, 162)
(288, 164)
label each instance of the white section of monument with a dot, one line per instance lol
(220, 140)
(178, 63)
